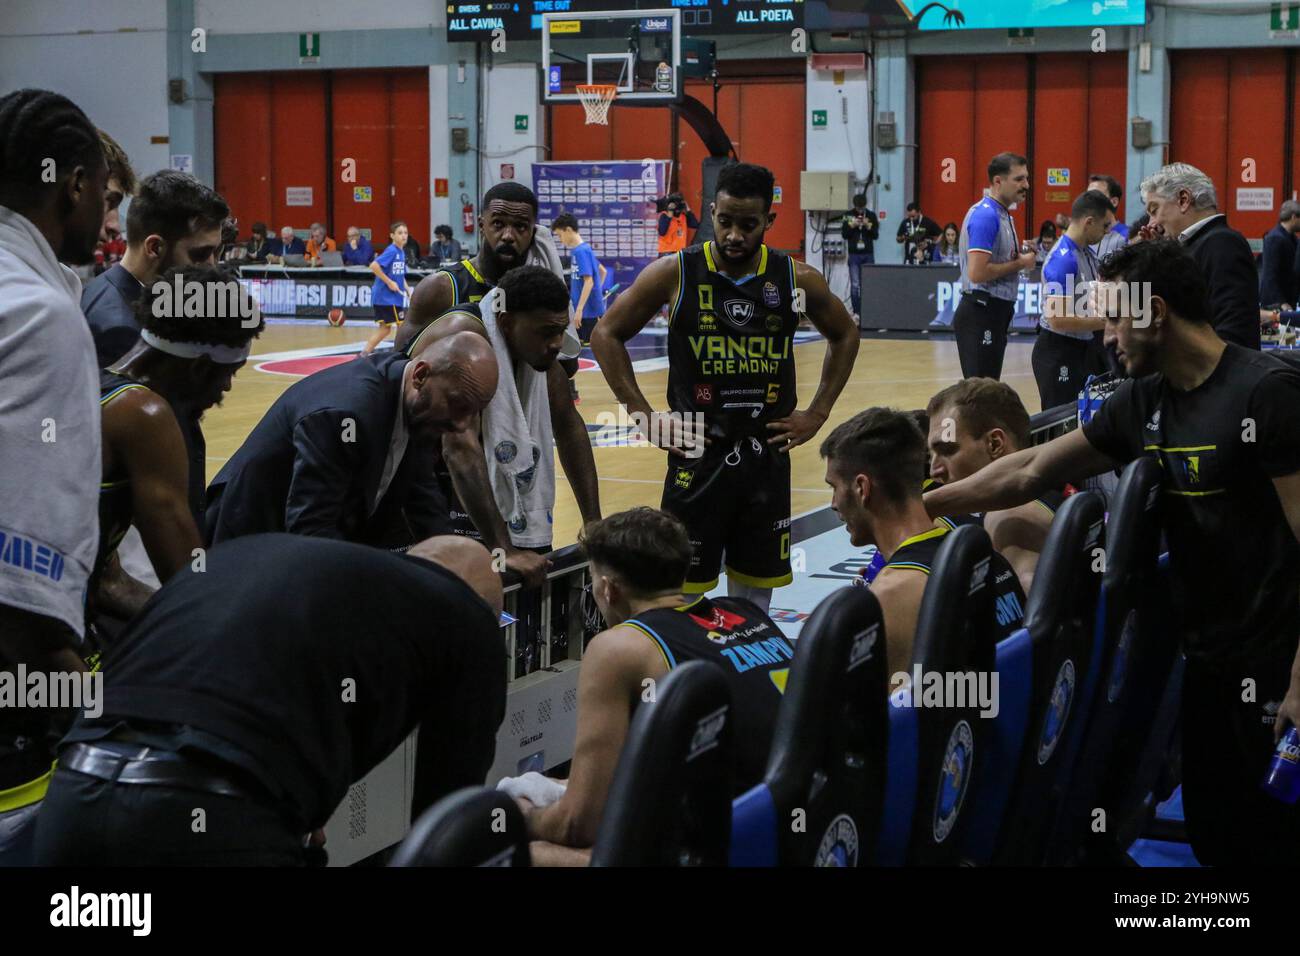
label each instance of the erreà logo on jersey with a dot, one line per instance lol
(720, 620)
(739, 311)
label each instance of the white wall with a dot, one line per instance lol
(316, 16)
(116, 72)
(842, 145)
(509, 89)
(439, 149)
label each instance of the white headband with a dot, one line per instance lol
(221, 354)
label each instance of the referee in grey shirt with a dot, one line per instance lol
(991, 258)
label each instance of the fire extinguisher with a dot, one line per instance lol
(467, 217)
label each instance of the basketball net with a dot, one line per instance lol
(596, 101)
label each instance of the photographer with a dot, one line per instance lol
(860, 230)
(914, 231)
(675, 217)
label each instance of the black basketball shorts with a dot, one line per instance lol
(734, 501)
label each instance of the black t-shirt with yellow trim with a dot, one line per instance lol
(1235, 560)
(751, 651)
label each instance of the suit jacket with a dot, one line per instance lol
(314, 462)
(108, 302)
(1229, 268)
(276, 247)
(1277, 275)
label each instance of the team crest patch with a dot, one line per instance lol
(771, 297)
(839, 846)
(704, 394)
(953, 780)
(773, 323)
(505, 452)
(1058, 712)
(739, 311)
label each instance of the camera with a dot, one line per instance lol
(672, 204)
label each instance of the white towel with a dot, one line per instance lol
(518, 442)
(537, 789)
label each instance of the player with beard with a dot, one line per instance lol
(1223, 420)
(173, 221)
(735, 306)
(151, 401)
(506, 227)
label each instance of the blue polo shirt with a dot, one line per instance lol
(585, 263)
(393, 261)
(360, 256)
(1068, 260)
(989, 227)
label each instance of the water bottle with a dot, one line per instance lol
(868, 574)
(1283, 778)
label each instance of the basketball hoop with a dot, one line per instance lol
(596, 100)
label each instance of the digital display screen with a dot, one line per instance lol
(475, 22)
(1024, 14)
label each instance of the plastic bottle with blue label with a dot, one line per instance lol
(868, 574)
(1283, 778)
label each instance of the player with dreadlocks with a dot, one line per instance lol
(152, 400)
(53, 176)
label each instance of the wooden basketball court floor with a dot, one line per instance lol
(898, 373)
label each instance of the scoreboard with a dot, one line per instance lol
(521, 19)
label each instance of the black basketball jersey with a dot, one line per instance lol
(731, 343)
(115, 505)
(918, 552)
(467, 283)
(752, 652)
(1050, 500)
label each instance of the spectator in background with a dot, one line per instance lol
(946, 249)
(916, 230)
(318, 243)
(1062, 223)
(259, 245)
(357, 250)
(675, 218)
(587, 284)
(1183, 205)
(174, 221)
(445, 248)
(412, 253)
(1279, 274)
(287, 245)
(860, 230)
(1046, 239)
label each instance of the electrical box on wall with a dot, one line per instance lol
(1141, 133)
(460, 139)
(821, 191)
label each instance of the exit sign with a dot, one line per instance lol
(308, 47)
(521, 122)
(1284, 20)
(819, 119)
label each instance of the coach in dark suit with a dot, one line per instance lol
(1182, 204)
(1279, 274)
(350, 452)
